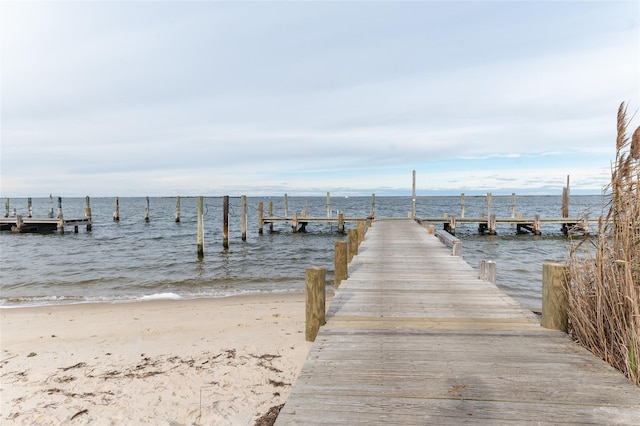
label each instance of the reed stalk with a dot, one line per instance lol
(604, 290)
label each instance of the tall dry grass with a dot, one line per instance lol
(604, 290)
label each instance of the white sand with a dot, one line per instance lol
(214, 361)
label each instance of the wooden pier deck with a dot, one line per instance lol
(413, 337)
(19, 224)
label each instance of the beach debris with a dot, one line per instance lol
(78, 365)
(269, 418)
(32, 354)
(79, 413)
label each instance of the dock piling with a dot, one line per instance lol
(352, 238)
(413, 197)
(340, 262)
(200, 229)
(146, 210)
(315, 301)
(225, 222)
(488, 271)
(260, 217)
(116, 213)
(555, 282)
(87, 212)
(6, 207)
(29, 208)
(177, 209)
(243, 213)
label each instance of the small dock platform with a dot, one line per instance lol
(18, 224)
(414, 337)
(523, 225)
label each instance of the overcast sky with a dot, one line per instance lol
(154, 98)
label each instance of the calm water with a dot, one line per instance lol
(133, 260)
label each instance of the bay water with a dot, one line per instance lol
(132, 260)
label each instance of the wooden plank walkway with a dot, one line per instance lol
(413, 337)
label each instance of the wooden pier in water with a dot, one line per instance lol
(414, 337)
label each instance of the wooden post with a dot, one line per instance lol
(492, 224)
(341, 222)
(116, 213)
(361, 231)
(488, 271)
(225, 222)
(59, 208)
(6, 207)
(462, 205)
(315, 301)
(260, 218)
(452, 225)
(18, 226)
(488, 204)
(555, 282)
(328, 204)
(270, 212)
(178, 209)
(29, 208)
(373, 205)
(565, 202)
(413, 197)
(294, 222)
(87, 211)
(146, 210)
(536, 225)
(513, 205)
(340, 262)
(243, 214)
(286, 206)
(352, 237)
(200, 229)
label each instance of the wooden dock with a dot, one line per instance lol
(414, 337)
(577, 225)
(19, 224)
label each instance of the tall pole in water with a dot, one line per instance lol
(413, 196)
(200, 229)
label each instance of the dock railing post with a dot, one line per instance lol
(200, 229)
(462, 205)
(315, 301)
(29, 207)
(340, 262)
(352, 238)
(513, 205)
(361, 231)
(6, 207)
(488, 271)
(341, 222)
(555, 283)
(270, 212)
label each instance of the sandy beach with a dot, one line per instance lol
(174, 362)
